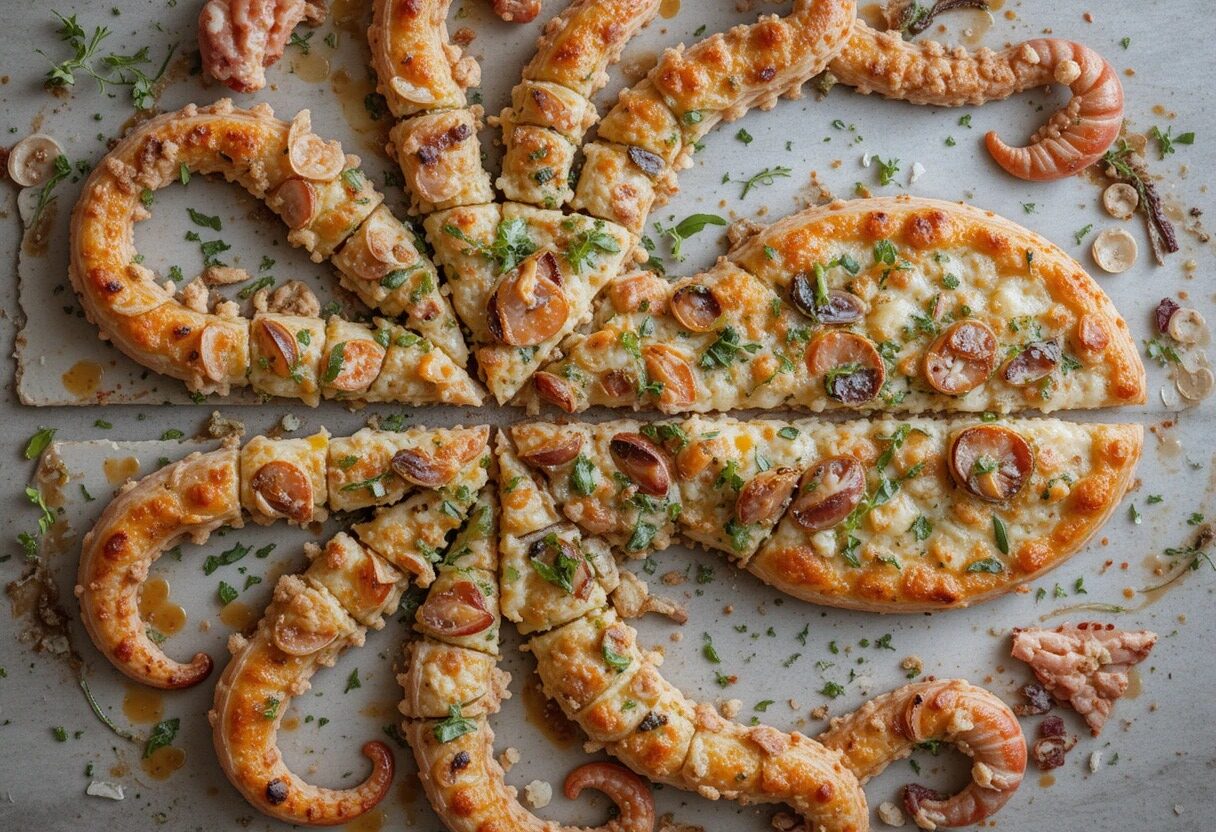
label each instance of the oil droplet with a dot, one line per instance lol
(120, 469)
(996, 5)
(157, 611)
(82, 379)
(974, 26)
(143, 706)
(313, 67)
(379, 710)
(119, 770)
(372, 821)
(547, 716)
(1047, 780)
(669, 9)
(351, 93)
(290, 723)
(238, 616)
(163, 762)
(37, 237)
(1134, 684)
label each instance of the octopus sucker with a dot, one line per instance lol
(924, 72)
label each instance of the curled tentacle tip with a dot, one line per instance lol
(629, 792)
(382, 762)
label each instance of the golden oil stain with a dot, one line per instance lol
(973, 26)
(1010, 14)
(372, 821)
(347, 15)
(162, 762)
(548, 718)
(143, 706)
(23, 597)
(379, 710)
(120, 469)
(1135, 684)
(996, 5)
(1047, 780)
(312, 67)
(156, 608)
(351, 93)
(290, 723)
(82, 379)
(36, 239)
(238, 616)
(669, 9)
(407, 796)
(120, 769)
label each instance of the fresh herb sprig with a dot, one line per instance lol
(111, 70)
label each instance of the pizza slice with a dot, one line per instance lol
(521, 279)
(886, 515)
(873, 305)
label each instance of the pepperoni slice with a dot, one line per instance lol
(285, 489)
(641, 461)
(828, 493)
(529, 304)
(558, 453)
(354, 365)
(278, 346)
(852, 370)
(992, 462)
(556, 391)
(765, 495)
(696, 308)
(961, 358)
(459, 610)
(666, 365)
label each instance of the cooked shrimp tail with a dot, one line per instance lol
(631, 796)
(951, 711)
(1079, 133)
(928, 72)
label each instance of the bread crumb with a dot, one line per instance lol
(820, 713)
(730, 708)
(1095, 760)
(913, 665)
(890, 814)
(508, 758)
(539, 794)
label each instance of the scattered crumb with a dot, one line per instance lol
(794, 704)
(1095, 760)
(113, 791)
(508, 758)
(913, 665)
(677, 636)
(539, 794)
(674, 578)
(290, 422)
(820, 712)
(224, 275)
(221, 427)
(890, 814)
(730, 708)
(669, 824)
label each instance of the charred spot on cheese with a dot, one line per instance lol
(276, 792)
(651, 721)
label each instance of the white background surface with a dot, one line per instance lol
(1165, 738)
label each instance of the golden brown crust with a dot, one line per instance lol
(417, 65)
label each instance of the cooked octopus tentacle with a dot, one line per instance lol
(409, 477)
(452, 685)
(591, 666)
(325, 199)
(349, 586)
(239, 39)
(189, 499)
(926, 72)
(978, 723)
(652, 130)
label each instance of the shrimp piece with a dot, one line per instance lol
(186, 500)
(238, 39)
(517, 11)
(304, 628)
(1076, 135)
(1085, 665)
(977, 722)
(927, 72)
